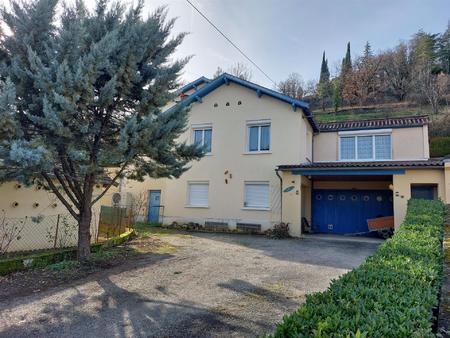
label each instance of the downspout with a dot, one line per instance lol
(281, 193)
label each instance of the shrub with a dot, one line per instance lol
(392, 294)
(440, 146)
(279, 231)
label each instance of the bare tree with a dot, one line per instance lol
(310, 88)
(396, 71)
(10, 230)
(292, 86)
(219, 71)
(431, 86)
(363, 82)
(138, 207)
(241, 70)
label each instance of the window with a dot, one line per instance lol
(424, 191)
(365, 147)
(383, 147)
(259, 137)
(203, 137)
(347, 148)
(256, 195)
(198, 194)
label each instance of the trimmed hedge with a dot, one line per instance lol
(440, 146)
(392, 294)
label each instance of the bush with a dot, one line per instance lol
(279, 231)
(440, 146)
(392, 294)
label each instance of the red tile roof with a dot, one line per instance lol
(397, 122)
(431, 163)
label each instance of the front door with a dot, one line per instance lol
(154, 205)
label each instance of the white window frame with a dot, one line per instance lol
(258, 123)
(372, 133)
(188, 201)
(202, 127)
(268, 207)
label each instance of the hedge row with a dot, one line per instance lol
(440, 146)
(392, 294)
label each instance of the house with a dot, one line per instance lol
(36, 219)
(268, 161)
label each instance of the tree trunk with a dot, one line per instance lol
(84, 227)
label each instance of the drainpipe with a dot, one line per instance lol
(281, 194)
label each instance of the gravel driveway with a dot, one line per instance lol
(214, 285)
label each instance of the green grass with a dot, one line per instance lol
(145, 230)
(63, 265)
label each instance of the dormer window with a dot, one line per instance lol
(365, 145)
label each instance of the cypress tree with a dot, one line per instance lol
(323, 87)
(82, 96)
(347, 61)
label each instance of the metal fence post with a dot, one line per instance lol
(56, 232)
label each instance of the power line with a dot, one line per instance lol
(231, 42)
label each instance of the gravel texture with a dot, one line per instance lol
(213, 285)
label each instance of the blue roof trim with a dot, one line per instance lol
(193, 84)
(226, 78)
(350, 172)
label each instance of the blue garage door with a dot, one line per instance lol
(347, 211)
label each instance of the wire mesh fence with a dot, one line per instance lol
(41, 232)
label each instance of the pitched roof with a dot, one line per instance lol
(226, 78)
(397, 122)
(193, 85)
(430, 163)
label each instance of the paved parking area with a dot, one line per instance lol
(213, 285)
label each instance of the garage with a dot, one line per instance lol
(347, 211)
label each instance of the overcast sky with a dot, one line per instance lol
(284, 36)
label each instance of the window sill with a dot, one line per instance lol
(257, 152)
(197, 206)
(369, 160)
(254, 208)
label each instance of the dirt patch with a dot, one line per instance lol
(27, 282)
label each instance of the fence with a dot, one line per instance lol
(114, 221)
(41, 232)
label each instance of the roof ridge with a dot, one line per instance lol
(402, 118)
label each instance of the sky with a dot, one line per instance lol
(285, 36)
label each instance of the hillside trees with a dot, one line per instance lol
(416, 71)
(293, 86)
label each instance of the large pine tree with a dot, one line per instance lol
(82, 96)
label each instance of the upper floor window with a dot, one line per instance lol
(258, 136)
(203, 136)
(365, 147)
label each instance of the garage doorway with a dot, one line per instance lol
(347, 211)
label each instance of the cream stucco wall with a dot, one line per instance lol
(402, 188)
(20, 204)
(407, 144)
(291, 138)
